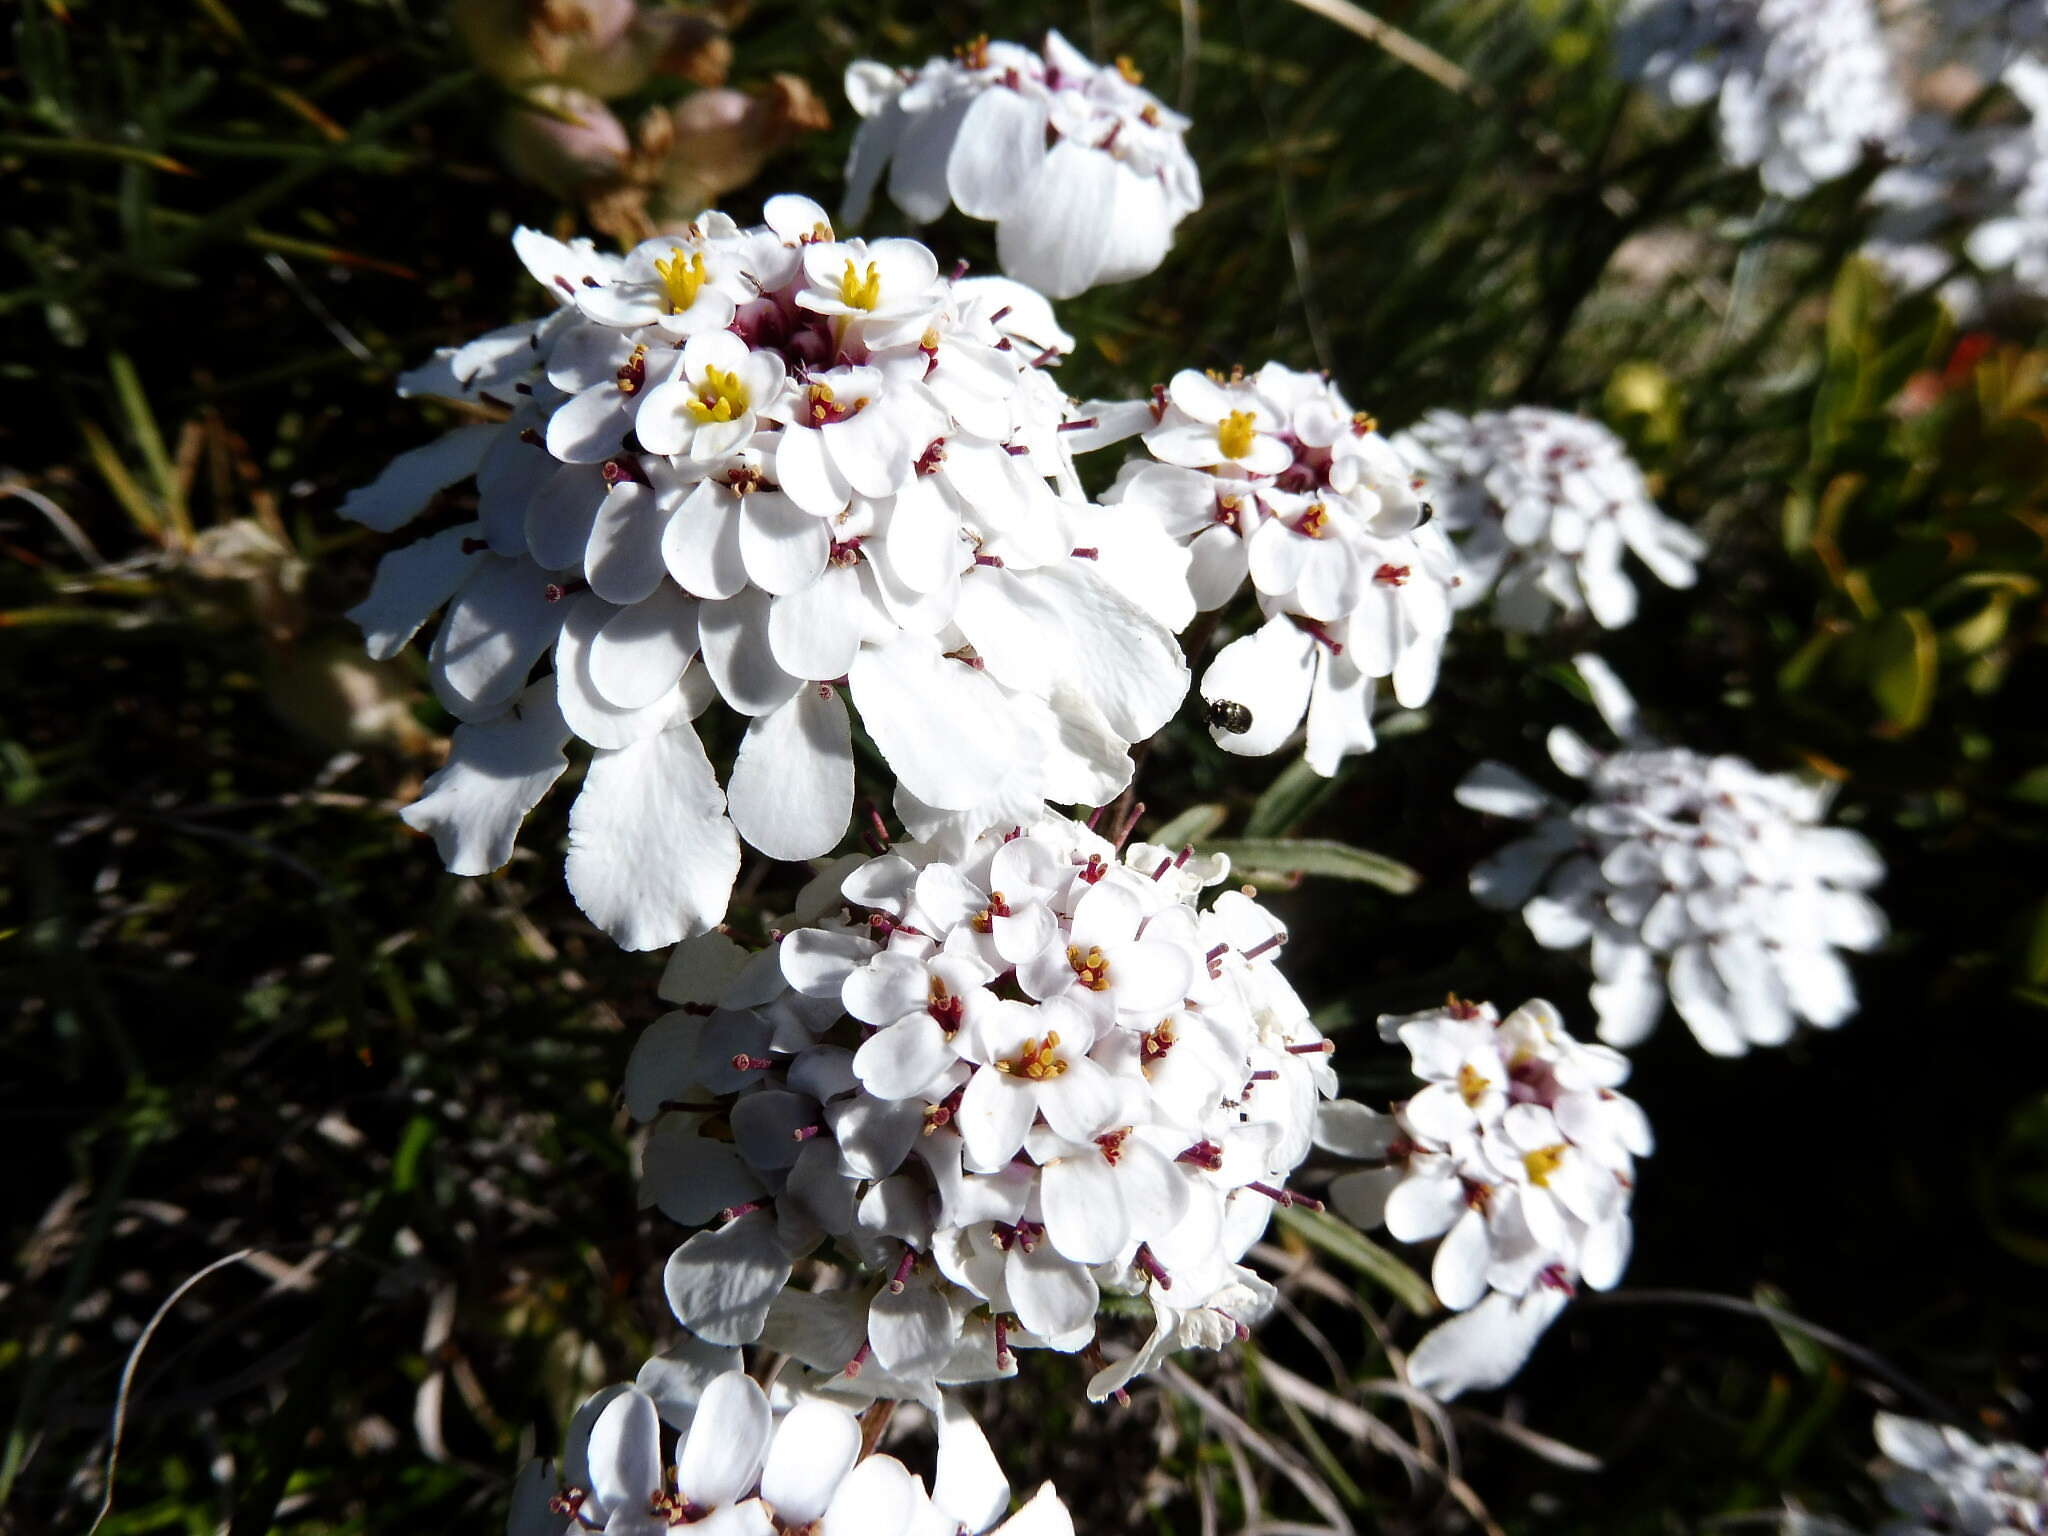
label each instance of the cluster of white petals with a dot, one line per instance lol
(748, 1465)
(1083, 171)
(1983, 183)
(764, 467)
(1518, 1153)
(1802, 88)
(999, 1081)
(1543, 506)
(1701, 878)
(1943, 1483)
(1272, 476)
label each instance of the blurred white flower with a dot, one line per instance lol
(1520, 1154)
(1273, 477)
(1944, 1483)
(767, 468)
(999, 1081)
(1802, 87)
(1698, 877)
(1083, 171)
(1543, 506)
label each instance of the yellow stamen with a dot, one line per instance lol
(722, 398)
(860, 290)
(974, 52)
(1150, 116)
(1471, 1085)
(1092, 968)
(1363, 422)
(681, 277)
(1234, 434)
(1314, 521)
(1036, 1059)
(1131, 73)
(1543, 1162)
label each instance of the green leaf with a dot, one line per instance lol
(1291, 856)
(1288, 800)
(1903, 656)
(1190, 826)
(1349, 1246)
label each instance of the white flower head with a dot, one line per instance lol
(748, 1466)
(1543, 506)
(1519, 1153)
(1699, 878)
(1944, 1483)
(1802, 88)
(1272, 477)
(785, 473)
(999, 1081)
(1084, 172)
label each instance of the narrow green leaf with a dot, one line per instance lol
(1349, 1246)
(1190, 826)
(1290, 856)
(1288, 800)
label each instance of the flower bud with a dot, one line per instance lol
(565, 141)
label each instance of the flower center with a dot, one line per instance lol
(1036, 1059)
(974, 52)
(1234, 434)
(681, 277)
(860, 290)
(1364, 423)
(633, 372)
(1542, 1163)
(1314, 521)
(1472, 1085)
(1156, 1042)
(1092, 967)
(985, 920)
(943, 1006)
(1112, 1144)
(1392, 575)
(1131, 73)
(823, 409)
(721, 397)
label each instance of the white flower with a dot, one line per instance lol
(1986, 183)
(742, 1471)
(1543, 506)
(1273, 477)
(786, 473)
(1944, 1483)
(1520, 1154)
(1700, 877)
(998, 1081)
(1803, 87)
(1084, 172)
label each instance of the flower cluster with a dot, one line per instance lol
(1001, 1081)
(1273, 476)
(1943, 1483)
(1518, 1153)
(742, 1469)
(1802, 87)
(1699, 876)
(1987, 180)
(1083, 171)
(1544, 505)
(764, 466)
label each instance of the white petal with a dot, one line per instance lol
(1269, 673)
(494, 631)
(994, 1115)
(700, 543)
(1485, 1347)
(652, 857)
(1000, 146)
(815, 632)
(1084, 1214)
(720, 1284)
(625, 1453)
(942, 726)
(728, 1441)
(676, 1378)
(411, 583)
(1051, 1295)
(783, 546)
(1057, 240)
(737, 654)
(1702, 1000)
(815, 1446)
(1498, 790)
(405, 486)
(968, 1485)
(1459, 1272)
(913, 1330)
(624, 562)
(496, 772)
(641, 651)
(791, 790)
(560, 514)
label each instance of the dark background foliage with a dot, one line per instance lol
(253, 1025)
